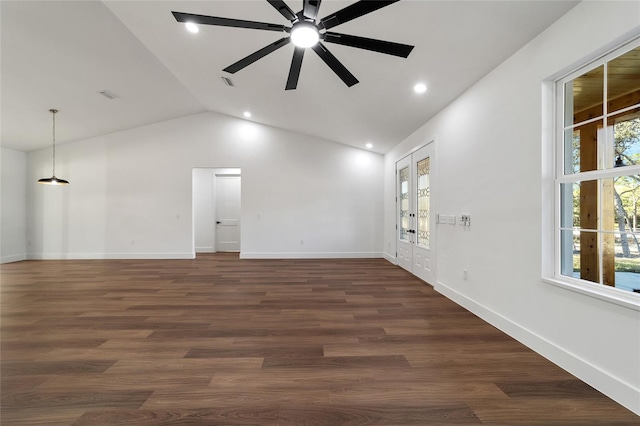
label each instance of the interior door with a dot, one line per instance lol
(416, 220)
(227, 213)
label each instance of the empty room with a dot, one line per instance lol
(307, 212)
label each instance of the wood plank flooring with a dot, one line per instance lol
(223, 341)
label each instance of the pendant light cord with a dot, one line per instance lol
(53, 111)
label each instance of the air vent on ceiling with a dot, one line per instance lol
(227, 81)
(108, 94)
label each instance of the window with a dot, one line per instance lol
(598, 173)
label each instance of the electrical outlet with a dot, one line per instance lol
(465, 274)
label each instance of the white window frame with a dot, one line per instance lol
(553, 275)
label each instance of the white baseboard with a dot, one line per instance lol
(13, 258)
(205, 249)
(305, 255)
(390, 258)
(111, 256)
(614, 388)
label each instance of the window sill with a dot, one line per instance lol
(598, 291)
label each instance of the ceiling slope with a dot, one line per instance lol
(60, 54)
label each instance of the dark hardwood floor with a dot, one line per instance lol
(223, 341)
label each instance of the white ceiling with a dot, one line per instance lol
(59, 54)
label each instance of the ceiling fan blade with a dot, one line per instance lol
(294, 71)
(226, 22)
(381, 46)
(310, 10)
(284, 10)
(353, 11)
(335, 65)
(257, 55)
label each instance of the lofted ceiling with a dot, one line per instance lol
(61, 54)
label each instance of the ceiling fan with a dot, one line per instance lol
(307, 31)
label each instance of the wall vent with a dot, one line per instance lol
(108, 94)
(228, 82)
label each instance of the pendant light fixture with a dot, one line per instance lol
(53, 180)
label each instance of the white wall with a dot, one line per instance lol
(490, 162)
(13, 205)
(131, 192)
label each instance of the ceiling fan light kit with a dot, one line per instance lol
(304, 34)
(306, 31)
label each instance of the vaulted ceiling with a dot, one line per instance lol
(61, 54)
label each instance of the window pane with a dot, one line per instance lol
(583, 263)
(589, 268)
(423, 203)
(623, 81)
(581, 147)
(570, 205)
(584, 97)
(624, 129)
(571, 151)
(627, 262)
(570, 256)
(579, 204)
(623, 203)
(404, 204)
(628, 187)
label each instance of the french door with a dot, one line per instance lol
(416, 249)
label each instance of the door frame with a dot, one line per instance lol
(214, 171)
(433, 201)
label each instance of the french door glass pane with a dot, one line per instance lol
(423, 211)
(405, 222)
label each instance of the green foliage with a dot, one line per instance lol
(627, 140)
(629, 264)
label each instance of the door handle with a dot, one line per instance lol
(218, 222)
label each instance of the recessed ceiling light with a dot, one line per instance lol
(192, 28)
(247, 114)
(369, 145)
(420, 88)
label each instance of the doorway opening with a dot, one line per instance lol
(216, 209)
